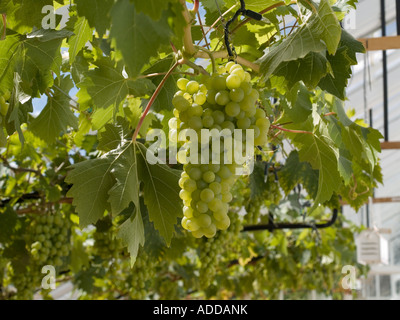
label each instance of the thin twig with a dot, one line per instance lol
(291, 131)
(152, 99)
(202, 30)
(18, 169)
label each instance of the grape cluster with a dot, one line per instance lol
(253, 210)
(50, 240)
(143, 273)
(105, 246)
(4, 104)
(212, 249)
(225, 100)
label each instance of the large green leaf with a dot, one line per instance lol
(320, 152)
(57, 115)
(321, 31)
(296, 172)
(131, 232)
(161, 193)
(82, 34)
(91, 181)
(136, 36)
(106, 86)
(341, 63)
(310, 69)
(96, 12)
(126, 188)
(152, 8)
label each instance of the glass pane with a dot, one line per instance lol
(371, 288)
(385, 286)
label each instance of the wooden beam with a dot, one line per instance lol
(389, 145)
(382, 43)
(386, 200)
(377, 200)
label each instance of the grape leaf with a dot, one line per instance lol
(9, 50)
(23, 15)
(320, 152)
(107, 86)
(40, 55)
(8, 221)
(111, 137)
(295, 172)
(257, 181)
(91, 180)
(152, 8)
(82, 34)
(161, 193)
(126, 188)
(131, 232)
(96, 12)
(345, 57)
(321, 31)
(310, 69)
(56, 116)
(136, 36)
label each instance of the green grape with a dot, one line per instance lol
(236, 95)
(182, 83)
(215, 187)
(218, 116)
(195, 173)
(232, 109)
(228, 125)
(209, 176)
(207, 195)
(195, 123)
(190, 185)
(222, 98)
(219, 83)
(233, 81)
(244, 123)
(192, 87)
(202, 207)
(195, 111)
(208, 121)
(180, 103)
(200, 98)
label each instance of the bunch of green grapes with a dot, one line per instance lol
(253, 210)
(51, 242)
(225, 100)
(4, 103)
(26, 283)
(212, 249)
(142, 275)
(106, 246)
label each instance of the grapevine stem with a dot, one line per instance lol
(291, 131)
(187, 38)
(150, 75)
(152, 99)
(210, 54)
(196, 6)
(202, 30)
(18, 169)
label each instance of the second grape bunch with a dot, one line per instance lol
(225, 100)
